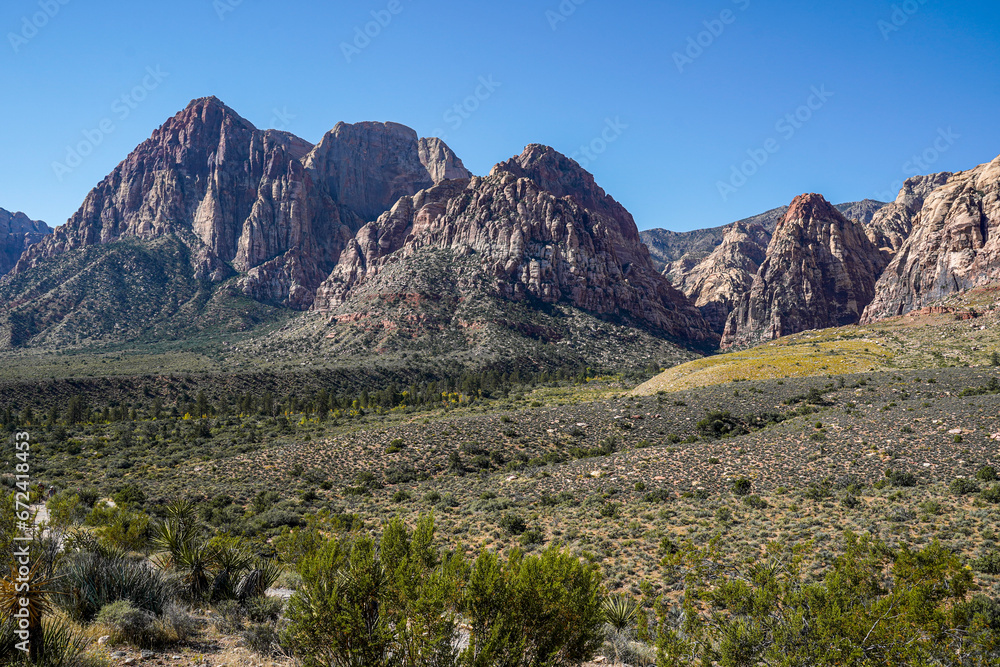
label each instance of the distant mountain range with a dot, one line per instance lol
(386, 244)
(17, 232)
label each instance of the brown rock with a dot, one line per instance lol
(17, 232)
(891, 225)
(820, 271)
(718, 282)
(954, 245)
(537, 228)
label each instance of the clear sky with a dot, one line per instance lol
(670, 97)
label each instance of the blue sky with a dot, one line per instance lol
(694, 114)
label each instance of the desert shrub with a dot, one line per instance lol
(987, 474)
(400, 474)
(129, 624)
(657, 496)
(741, 486)
(900, 478)
(395, 446)
(756, 502)
(904, 607)
(531, 536)
(263, 639)
(610, 510)
(988, 562)
(992, 494)
(89, 582)
(513, 524)
(720, 424)
(962, 486)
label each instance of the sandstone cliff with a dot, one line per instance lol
(17, 232)
(820, 271)
(954, 245)
(538, 228)
(266, 206)
(891, 225)
(717, 283)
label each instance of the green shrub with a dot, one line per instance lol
(395, 446)
(129, 624)
(992, 494)
(987, 474)
(756, 502)
(900, 478)
(89, 582)
(741, 486)
(720, 424)
(513, 524)
(962, 486)
(988, 562)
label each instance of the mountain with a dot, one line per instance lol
(820, 271)
(676, 253)
(717, 283)
(266, 207)
(385, 240)
(538, 229)
(891, 226)
(954, 245)
(17, 232)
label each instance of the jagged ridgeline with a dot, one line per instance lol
(381, 241)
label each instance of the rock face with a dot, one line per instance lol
(891, 225)
(717, 283)
(820, 271)
(537, 229)
(266, 206)
(17, 232)
(954, 245)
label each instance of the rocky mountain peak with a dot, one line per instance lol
(809, 207)
(819, 271)
(954, 243)
(18, 232)
(561, 176)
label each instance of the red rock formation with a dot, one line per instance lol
(538, 227)
(265, 204)
(820, 271)
(954, 245)
(17, 232)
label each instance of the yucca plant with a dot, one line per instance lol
(61, 647)
(231, 560)
(90, 581)
(256, 582)
(619, 613)
(37, 597)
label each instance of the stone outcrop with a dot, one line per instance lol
(954, 245)
(538, 228)
(264, 205)
(717, 283)
(820, 271)
(18, 232)
(892, 224)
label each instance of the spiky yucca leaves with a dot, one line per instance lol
(255, 583)
(90, 581)
(37, 593)
(61, 647)
(231, 560)
(619, 611)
